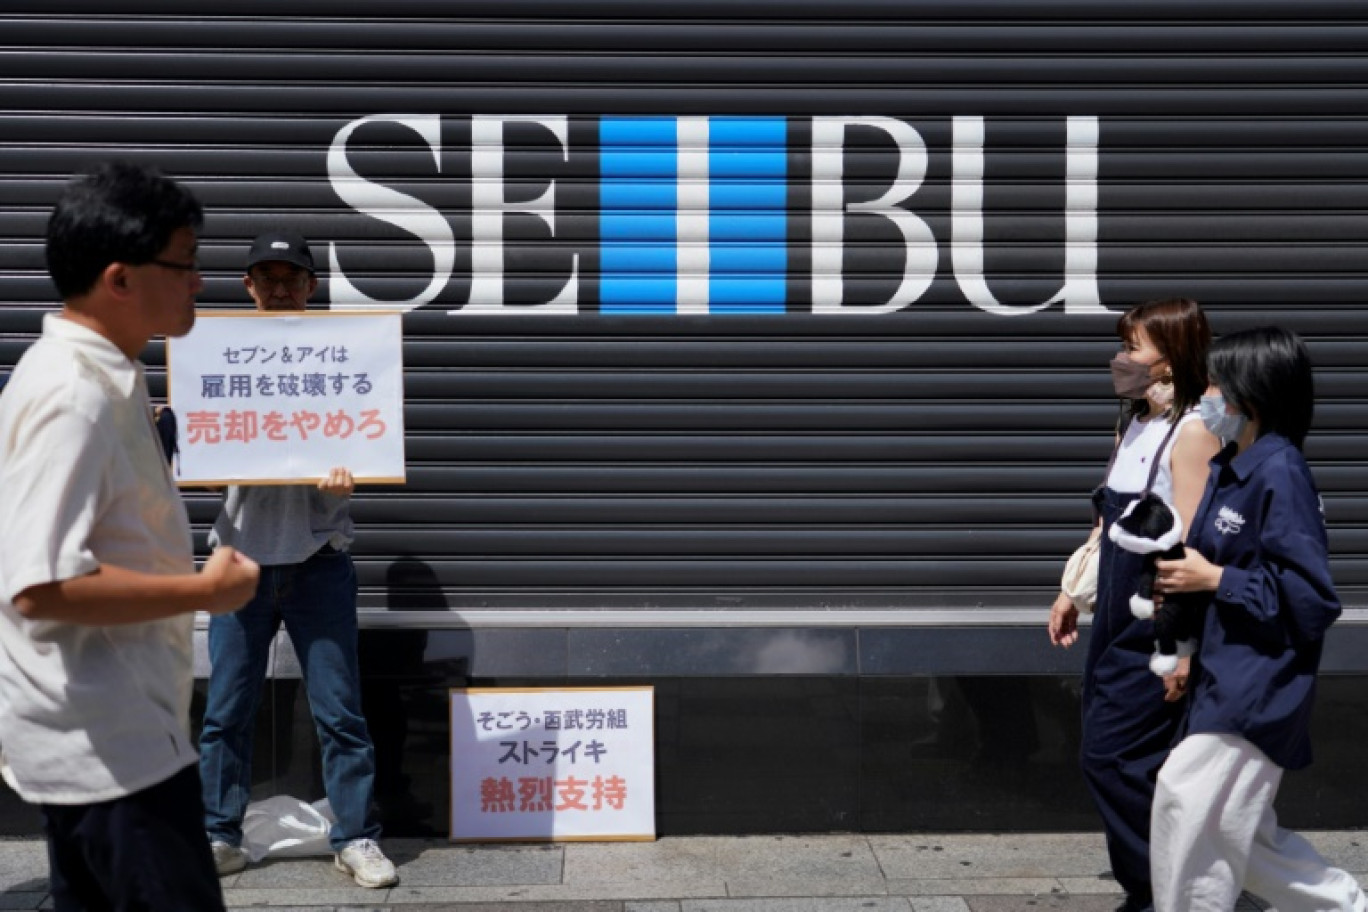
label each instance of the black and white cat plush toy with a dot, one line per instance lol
(1151, 527)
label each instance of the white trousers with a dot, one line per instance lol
(1213, 831)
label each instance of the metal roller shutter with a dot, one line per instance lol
(681, 440)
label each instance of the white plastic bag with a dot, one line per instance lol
(281, 827)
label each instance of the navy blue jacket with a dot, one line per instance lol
(1261, 520)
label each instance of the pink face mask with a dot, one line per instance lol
(1130, 379)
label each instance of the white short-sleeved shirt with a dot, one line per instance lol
(1139, 449)
(87, 713)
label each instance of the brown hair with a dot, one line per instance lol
(1179, 329)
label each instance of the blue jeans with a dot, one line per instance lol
(317, 602)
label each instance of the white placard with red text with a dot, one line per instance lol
(552, 764)
(286, 397)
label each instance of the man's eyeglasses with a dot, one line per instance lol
(291, 283)
(192, 266)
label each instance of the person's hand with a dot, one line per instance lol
(1175, 685)
(1063, 622)
(338, 482)
(1194, 573)
(232, 580)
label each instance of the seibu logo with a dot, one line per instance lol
(698, 215)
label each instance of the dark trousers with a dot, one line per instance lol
(145, 851)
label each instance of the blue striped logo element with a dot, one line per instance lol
(692, 215)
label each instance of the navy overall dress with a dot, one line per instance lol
(1128, 729)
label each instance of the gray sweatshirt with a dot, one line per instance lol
(282, 524)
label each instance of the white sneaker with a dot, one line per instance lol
(368, 866)
(227, 859)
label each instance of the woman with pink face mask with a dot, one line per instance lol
(1131, 717)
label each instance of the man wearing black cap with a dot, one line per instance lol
(280, 272)
(299, 534)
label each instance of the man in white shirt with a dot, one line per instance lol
(97, 578)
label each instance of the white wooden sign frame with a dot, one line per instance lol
(552, 764)
(283, 397)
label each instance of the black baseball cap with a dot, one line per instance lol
(282, 246)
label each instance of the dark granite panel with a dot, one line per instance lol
(999, 754)
(1346, 650)
(904, 651)
(410, 725)
(778, 755)
(916, 651)
(971, 753)
(713, 652)
(1026, 651)
(1331, 794)
(406, 676)
(456, 655)
(794, 753)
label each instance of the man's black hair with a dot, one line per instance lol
(1266, 374)
(117, 213)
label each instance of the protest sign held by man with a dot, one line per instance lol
(300, 534)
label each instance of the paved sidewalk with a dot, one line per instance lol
(821, 873)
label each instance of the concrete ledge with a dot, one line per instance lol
(709, 647)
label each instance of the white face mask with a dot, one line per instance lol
(1217, 420)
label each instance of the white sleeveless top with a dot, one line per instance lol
(1138, 450)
